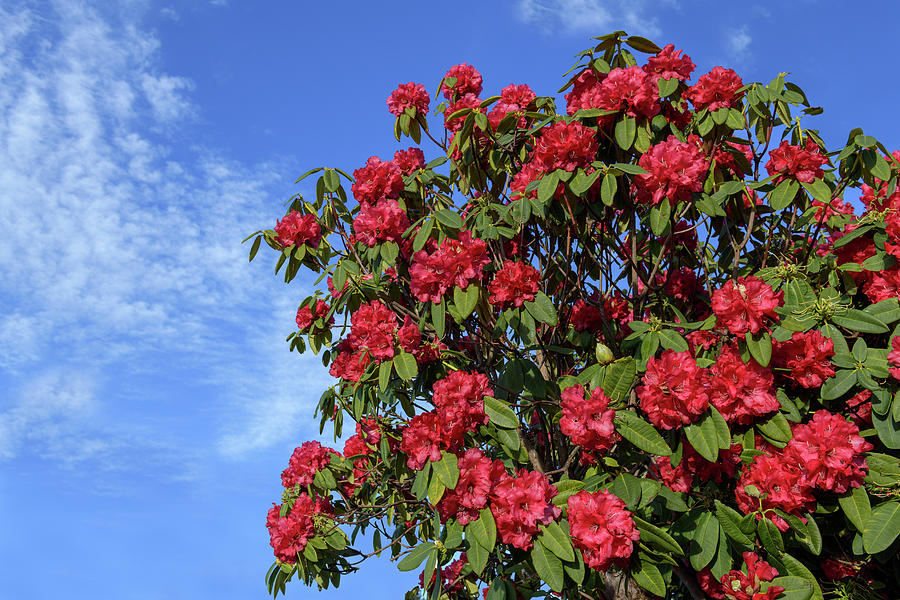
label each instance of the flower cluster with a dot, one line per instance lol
(674, 391)
(477, 476)
(741, 304)
(602, 528)
(296, 229)
(408, 95)
(714, 90)
(376, 180)
(739, 586)
(308, 314)
(564, 146)
(463, 79)
(741, 391)
(289, 534)
(807, 356)
(383, 221)
(520, 504)
(514, 284)
(305, 462)
(513, 99)
(372, 330)
(803, 163)
(670, 64)
(456, 262)
(409, 160)
(589, 423)
(675, 170)
(680, 478)
(631, 91)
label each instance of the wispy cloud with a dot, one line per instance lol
(594, 16)
(118, 257)
(738, 42)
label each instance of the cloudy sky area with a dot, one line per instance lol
(147, 399)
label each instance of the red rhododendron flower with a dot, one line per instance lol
(726, 158)
(741, 304)
(677, 479)
(409, 160)
(741, 391)
(680, 284)
(289, 534)
(454, 263)
(602, 528)
(408, 95)
(305, 463)
(836, 570)
(565, 146)
(711, 586)
(716, 89)
(674, 390)
(675, 170)
(372, 329)
(781, 484)
(523, 178)
(746, 587)
(802, 163)
(383, 221)
(681, 477)
(459, 398)
(472, 489)
(513, 99)
(514, 284)
(702, 340)
(296, 229)
(455, 123)
(586, 317)
(468, 81)
(830, 452)
(349, 363)
(631, 91)
(375, 180)
(670, 64)
(807, 356)
(882, 285)
(424, 438)
(520, 504)
(310, 313)
(589, 423)
(585, 91)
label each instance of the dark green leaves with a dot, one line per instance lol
(783, 194)
(500, 413)
(447, 470)
(548, 566)
(542, 309)
(856, 507)
(641, 433)
(857, 320)
(882, 527)
(415, 557)
(625, 132)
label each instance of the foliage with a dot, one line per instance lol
(603, 350)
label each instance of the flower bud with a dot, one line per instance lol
(604, 354)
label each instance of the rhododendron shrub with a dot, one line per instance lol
(638, 340)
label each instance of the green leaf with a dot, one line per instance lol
(642, 44)
(557, 541)
(436, 489)
(655, 536)
(332, 180)
(466, 300)
(415, 557)
(421, 236)
(886, 311)
(581, 183)
(483, 531)
(703, 437)
(420, 484)
(723, 434)
(619, 378)
(705, 542)
(777, 429)
(628, 488)
(858, 232)
(659, 217)
(477, 556)
(667, 87)
(548, 566)
(819, 190)
(798, 569)
(730, 521)
(255, 247)
(882, 528)
(760, 346)
(856, 507)
(647, 575)
(500, 413)
(542, 309)
(783, 194)
(641, 433)
(447, 470)
(547, 188)
(449, 218)
(672, 340)
(626, 130)
(857, 320)
(575, 569)
(837, 386)
(438, 318)
(795, 588)
(608, 189)
(566, 488)
(887, 428)
(770, 536)
(629, 168)
(384, 375)
(406, 366)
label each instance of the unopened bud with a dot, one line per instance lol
(604, 354)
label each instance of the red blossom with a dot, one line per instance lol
(513, 99)
(780, 483)
(409, 160)
(308, 314)
(459, 399)
(349, 363)
(882, 285)
(740, 586)
(716, 89)
(674, 390)
(372, 330)
(514, 284)
(454, 263)
(585, 91)
(893, 357)
(468, 101)
(586, 317)
(711, 586)
(375, 180)
(802, 163)
(408, 95)
(807, 356)
(589, 423)
(305, 463)
(602, 528)
(670, 64)
(741, 304)
(520, 504)
(424, 438)
(838, 569)
(296, 229)
(675, 170)
(289, 534)
(564, 146)
(630, 91)
(468, 81)
(472, 489)
(830, 452)
(383, 221)
(741, 391)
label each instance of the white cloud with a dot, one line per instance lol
(120, 258)
(594, 16)
(739, 41)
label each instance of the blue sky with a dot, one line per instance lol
(147, 399)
